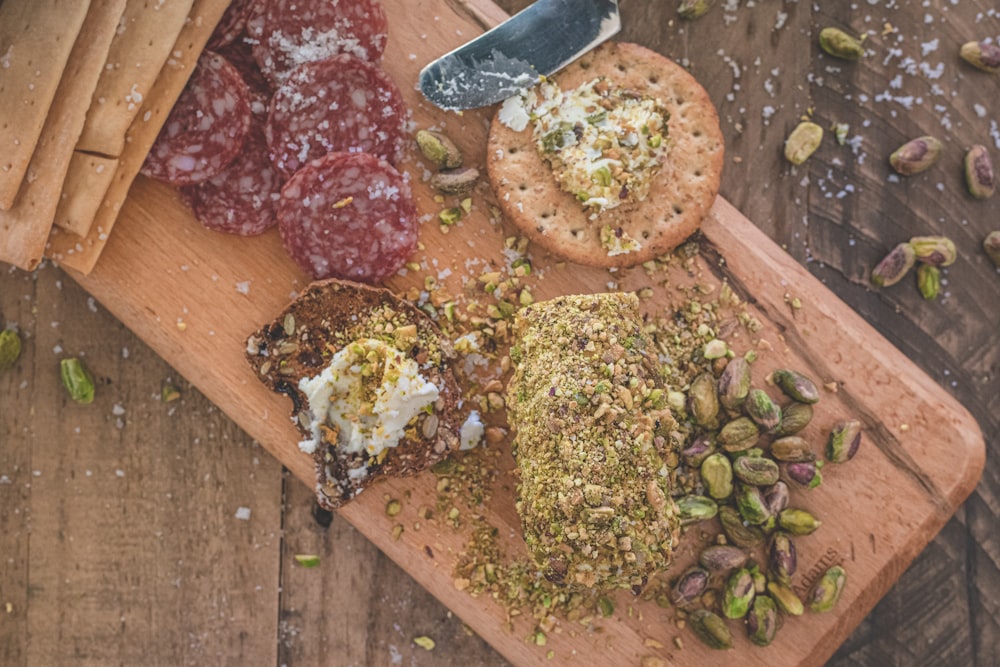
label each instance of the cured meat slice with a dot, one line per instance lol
(206, 127)
(287, 33)
(232, 23)
(242, 198)
(240, 56)
(338, 104)
(348, 215)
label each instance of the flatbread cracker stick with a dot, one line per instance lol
(87, 181)
(25, 227)
(36, 37)
(81, 253)
(145, 39)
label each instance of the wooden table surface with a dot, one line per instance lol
(121, 537)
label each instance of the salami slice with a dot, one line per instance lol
(240, 56)
(242, 199)
(348, 215)
(232, 23)
(206, 127)
(287, 33)
(337, 104)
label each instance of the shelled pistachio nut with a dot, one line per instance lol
(738, 532)
(762, 621)
(455, 181)
(77, 380)
(934, 250)
(776, 497)
(710, 629)
(738, 594)
(689, 586)
(756, 470)
(803, 473)
(798, 522)
(825, 594)
(699, 449)
(785, 598)
(439, 149)
(803, 142)
(10, 348)
(717, 476)
(841, 45)
(791, 448)
(929, 281)
(796, 386)
(693, 508)
(979, 175)
(722, 558)
(694, 9)
(982, 55)
(751, 505)
(734, 383)
(894, 266)
(739, 435)
(991, 245)
(703, 401)
(782, 559)
(845, 438)
(764, 411)
(916, 155)
(794, 418)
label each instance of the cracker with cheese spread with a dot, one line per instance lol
(370, 382)
(612, 162)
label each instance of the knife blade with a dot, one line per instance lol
(539, 40)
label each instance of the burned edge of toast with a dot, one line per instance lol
(300, 343)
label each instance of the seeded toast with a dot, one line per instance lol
(300, 342)
(680, 194)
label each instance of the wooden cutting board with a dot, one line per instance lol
(195, 295)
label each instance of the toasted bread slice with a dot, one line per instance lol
(680, 193)
(329, 317)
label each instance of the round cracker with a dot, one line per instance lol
(680, 194)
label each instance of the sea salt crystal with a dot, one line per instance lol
(243, 513)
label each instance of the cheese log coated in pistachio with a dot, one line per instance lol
(587, 403)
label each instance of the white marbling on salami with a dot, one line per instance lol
(337, 104)
(206, 128)
(348, 215)
(288, 33)
(239, 55)
(242, 199)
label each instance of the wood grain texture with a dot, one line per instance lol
(943, 610)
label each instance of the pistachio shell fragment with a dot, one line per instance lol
(928, 281)
(916, 155)
(710, 629)
(979, 175)
(982, 55)
(894, 266)
(734, 383)
(803, 142)
(796, 386)
(826, 592)
(845, 438)
(10, 348)
(738, 594)
(991, 245)
(839, 44)
(762, 621)
(934, 250)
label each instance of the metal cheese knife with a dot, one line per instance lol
(539, 40)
